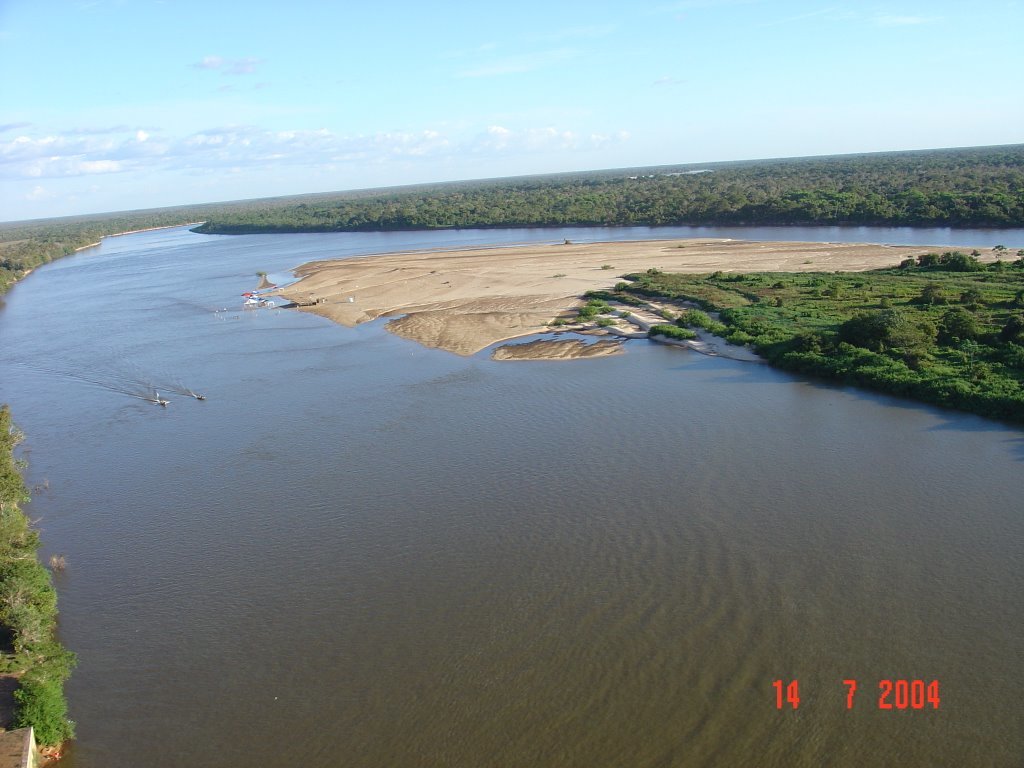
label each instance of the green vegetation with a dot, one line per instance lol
(963, 187)
(593, 308)
(945, 329)
(28, 609)
(981, 186)
(672, 332)
(694, 318)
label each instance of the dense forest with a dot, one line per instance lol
(977, 187)
(981, 187)
(944, 328)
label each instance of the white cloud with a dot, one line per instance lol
(38, 192)
(96, 131)
(97, 166)
(73, 153)
(209, 62)
(245, 146)
(243, 66)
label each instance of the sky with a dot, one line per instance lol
(110, 105)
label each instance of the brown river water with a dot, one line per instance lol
(361, 552)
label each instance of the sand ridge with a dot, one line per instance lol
(465, 300)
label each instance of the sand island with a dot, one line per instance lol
(465, 300)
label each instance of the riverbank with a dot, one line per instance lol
(465, 300)
(154, 229)
(945, 329)
(133, 232)
(33, 664)
(34, 246)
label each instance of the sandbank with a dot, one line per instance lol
(465, 300)
(557, 349)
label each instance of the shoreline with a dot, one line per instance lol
(466, 299)
(150, 229)
(15, 281)
(134, 232)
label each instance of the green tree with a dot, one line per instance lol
(932, 294)
(41, 704)
(1013, 330)
(870, 330)
(972, 297)
(957, 325)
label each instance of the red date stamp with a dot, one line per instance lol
(892, 694)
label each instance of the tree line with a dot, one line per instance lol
(981, 187)
(975, 187)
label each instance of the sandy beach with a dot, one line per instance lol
(465, 300)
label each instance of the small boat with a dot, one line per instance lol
(197, 396)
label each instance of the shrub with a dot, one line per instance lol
(972, 297)
(41, 705)
(867, 329)
(955, 261)
(957, 324)
(695, 318)
(740, 338)
(672, 332)
(931, 294)
(1013, 331)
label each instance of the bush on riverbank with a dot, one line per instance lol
(28, 609)
(671, 332)
(873, 329)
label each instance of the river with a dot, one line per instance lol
(358, 551)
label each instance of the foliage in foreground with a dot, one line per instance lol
(944, 329)
(28, 608)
